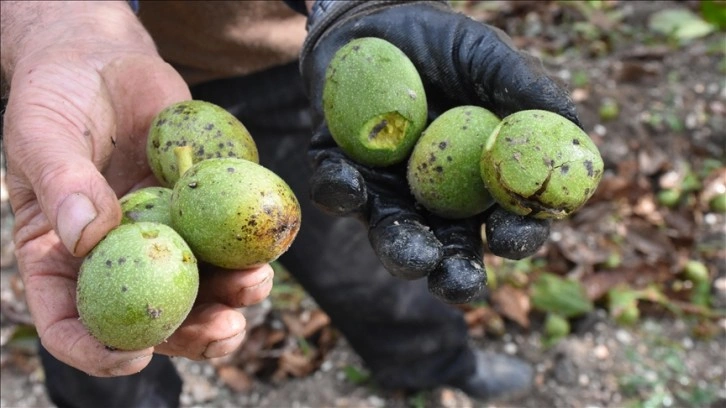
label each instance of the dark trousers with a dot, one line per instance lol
(406, 337)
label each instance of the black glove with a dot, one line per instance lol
(461, 62)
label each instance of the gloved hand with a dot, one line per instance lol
(461, 62)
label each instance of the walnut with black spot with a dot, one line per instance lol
(207, 129)
(234, 213)
(540, 164)
(443, 170)
(136, 286)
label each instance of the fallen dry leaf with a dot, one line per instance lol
(512, 303)
(234, 378)
(292, 362)
(582, 247)
(292, 322)
(598, 284)
(649, 241)
(317, 321)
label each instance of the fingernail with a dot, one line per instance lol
(220, 348)
(123, 367)
(255, 294)
(74, 215)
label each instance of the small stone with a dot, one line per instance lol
(583, 380)
(623, 336)
(601, 352)
(687, 343)
(565, 371)
(376, 401)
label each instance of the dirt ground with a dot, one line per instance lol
(653, 105)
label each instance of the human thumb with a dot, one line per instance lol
(74, 198)
(53, 179)
(85, 213)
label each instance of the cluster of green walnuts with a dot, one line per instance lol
(215, 204)
(532, 162)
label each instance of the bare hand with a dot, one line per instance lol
(75, 132)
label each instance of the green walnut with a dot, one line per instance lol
(374, 102)
(137, 286)
(443, 170)
(234, 213)
(209, 130)
(540, 164)
(556, 326)
(150, 204)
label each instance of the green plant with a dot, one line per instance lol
(565, 297)
(356, 375)
(286, 293)
(679, 26)
(580, 79)
(714, 12)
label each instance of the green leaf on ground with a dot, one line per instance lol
(714, 12)
(356, 375)
(566, 297)
(680, 24)
(623, 305)
(556, 327)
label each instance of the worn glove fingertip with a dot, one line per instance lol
(339, 189)
(407, 250)
(514, 236)
(457, 280)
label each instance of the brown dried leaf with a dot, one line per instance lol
(293, 323)
(234, 378)
(681, 225)
(633, 71)
(317, 320)
(296, 364)
(251, 355)
(714, 183)
(326, 340)
(255, 340)
(512, 303)
(274, 337)
(582, 247)
(652, 159)
(650, 52)
(475, 316)
(23, 361)
(598, 284)
(649, 240)
(256, 365)
(647, 208)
